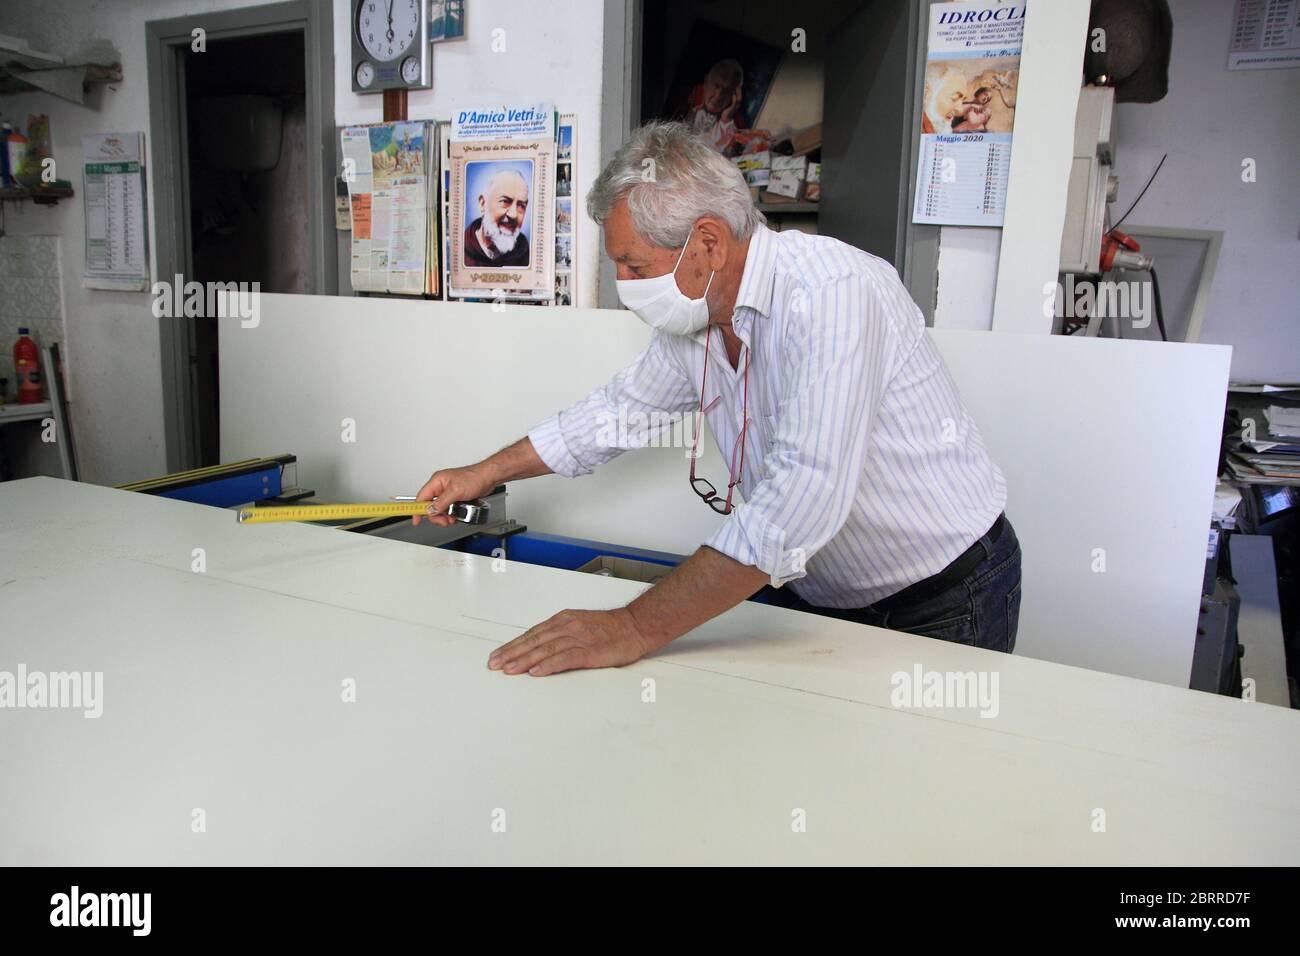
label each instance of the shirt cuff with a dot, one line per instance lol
(749, 537)
(548, 442)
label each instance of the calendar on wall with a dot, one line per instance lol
(113, 191)
(1265, 35)
(972, 73)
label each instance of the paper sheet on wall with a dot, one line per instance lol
(386, 169)
(113, 196)
(972, 71)
(1265, 35)
(357, 175)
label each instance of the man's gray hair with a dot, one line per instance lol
(671, 178)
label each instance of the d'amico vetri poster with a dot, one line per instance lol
(502, 215)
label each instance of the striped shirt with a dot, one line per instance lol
(863, 471)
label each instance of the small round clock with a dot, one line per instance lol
(390, 45)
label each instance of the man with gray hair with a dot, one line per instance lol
(866, 485)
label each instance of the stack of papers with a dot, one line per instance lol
(1283, 421)
(1271, 458)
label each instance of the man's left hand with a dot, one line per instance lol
(572, 640)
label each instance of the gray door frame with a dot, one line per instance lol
(620, 108)
(920, 247)
(166, 41)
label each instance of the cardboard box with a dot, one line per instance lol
(812, 192)
(748, 161)
(814, 174)
(626, 569)
(757, 177)
(787, 182)
(797, 163)
(806, 140)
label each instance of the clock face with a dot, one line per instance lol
(365, 74)
(411, 69)
(388, 28)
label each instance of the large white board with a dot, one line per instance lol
(1056, 33)
(1109, 447)
(322, 698)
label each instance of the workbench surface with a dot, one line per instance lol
(766, 736)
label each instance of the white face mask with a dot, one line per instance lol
(661, 305)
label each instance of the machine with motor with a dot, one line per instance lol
(1127, 60)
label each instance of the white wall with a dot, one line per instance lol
(1212, 120)
(968, 277)
(553, 50)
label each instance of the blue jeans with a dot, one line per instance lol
(982, 610)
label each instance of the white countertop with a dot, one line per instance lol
(223, 692)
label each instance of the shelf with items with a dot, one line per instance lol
(11, 411)
(801, 208)
(42, 195)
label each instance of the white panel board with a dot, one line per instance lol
(1051, 64)
(223, 690)
(434, 385)
(1105, 444)
(1109, 448)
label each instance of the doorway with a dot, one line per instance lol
(242, 121)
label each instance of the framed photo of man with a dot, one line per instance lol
(720, 84)
(502, 200)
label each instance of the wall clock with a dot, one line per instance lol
(390, 45)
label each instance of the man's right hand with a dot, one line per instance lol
(450, 486)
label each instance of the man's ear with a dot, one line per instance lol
(717, 242)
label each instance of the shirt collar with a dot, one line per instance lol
(757, 281)
(759, 276)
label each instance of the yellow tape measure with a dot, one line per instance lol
(467, 512)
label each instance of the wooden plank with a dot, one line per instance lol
(394, 106)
